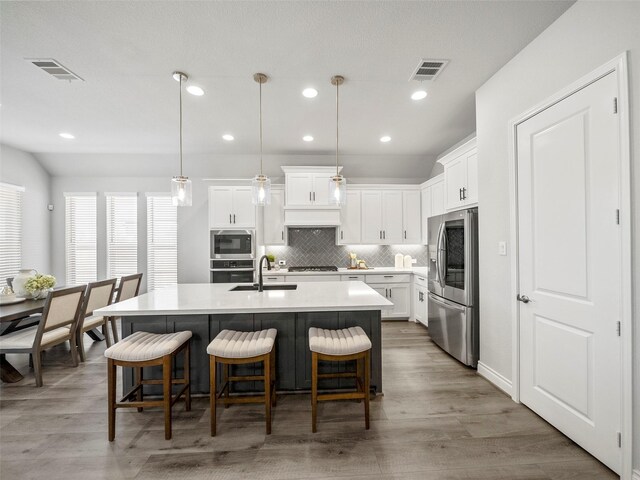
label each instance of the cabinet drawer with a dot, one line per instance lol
(420, 280)
(313, 278)
(391, 278)
(353, 278)
(273, 278)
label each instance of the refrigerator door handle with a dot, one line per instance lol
(444, 303)
(440, 257)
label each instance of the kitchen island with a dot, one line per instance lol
(206, 309)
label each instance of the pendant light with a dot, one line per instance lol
(337, 183)
(181, 190)
(261, 184)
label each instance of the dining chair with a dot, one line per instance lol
(128, 288)
(57, 325)
(97, 295)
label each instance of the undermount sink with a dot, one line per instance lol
(254, 288)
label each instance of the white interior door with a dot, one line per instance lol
(570, 268)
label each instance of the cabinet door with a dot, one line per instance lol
(455, 179)
(321, 188)
(420, 304)
(299, 189)
(425, 195)
(392, 231)
(274, 219)
(400, 295)
(411, 217)
(244, 211)
(220, 207)
(437, 199)
(371, 217)
(350, 220)
(471, 194)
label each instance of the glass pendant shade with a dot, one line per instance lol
(338, 190)
(261, 190)
(181, 192)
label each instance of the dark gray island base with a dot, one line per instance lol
(292, 346)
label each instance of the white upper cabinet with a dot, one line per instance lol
(461, 176)
(307, 186)
(392, 228)
(231, 207)
(411, 217)
(433, 201)
(437, 197)
(425, 197)
(273, 220)
(371, 217)
(349, 232)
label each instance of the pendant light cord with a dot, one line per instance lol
(181, 124)
(337, 120)
(261, 174)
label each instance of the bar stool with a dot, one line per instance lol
(339, 346)
(144, 349)
(236, 348)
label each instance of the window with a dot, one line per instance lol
(162, 241)
(122, 234)
(10, 230)
(80, 238)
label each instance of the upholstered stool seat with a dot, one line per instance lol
(339, 346)
(143, 349)
(230, 347)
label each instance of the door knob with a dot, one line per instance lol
(523, 298)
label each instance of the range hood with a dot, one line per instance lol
(311, 216)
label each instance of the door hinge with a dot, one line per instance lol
(618, 328)
(619, 440)
(618, 216)
(615, 104)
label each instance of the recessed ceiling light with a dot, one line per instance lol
(310, 92)
(195, 90)
(307, 138)
(68, 136)
(419, 95)
(227, 137)
(385, 139)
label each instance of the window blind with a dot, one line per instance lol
(10, 230)
(162, 242)
(122, 234)
(81, 264)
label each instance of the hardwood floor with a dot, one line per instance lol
(438, 420)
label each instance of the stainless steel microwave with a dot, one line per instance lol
(232, 244)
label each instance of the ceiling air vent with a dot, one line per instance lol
(428, 69)
(54, 68)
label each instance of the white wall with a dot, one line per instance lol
(586, 36)
(22, 168)
(193, 227)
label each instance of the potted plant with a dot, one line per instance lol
(39, 285)
(272, 259)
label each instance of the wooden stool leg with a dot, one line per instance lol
(314, 391)
(138, 380)
(212, 393)
(226, 383)
(360, 375)
(80, 345)
(111, 398)
(273, 376)
(267, 390)
(166, 388)
(187, 376)
(367, 380)
(114, 329)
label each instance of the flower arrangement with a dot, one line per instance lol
(38, 283)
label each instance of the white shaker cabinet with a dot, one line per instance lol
(371, 217)
(411, 217)
(432, 196)
(273, 220)
(306, 188)
(437, 197)
(231, 207)
(461, 177)
(349, 232)
(392, 228)
(397, 289)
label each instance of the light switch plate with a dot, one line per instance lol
(282, 263)
(502, 248)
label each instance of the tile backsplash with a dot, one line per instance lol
(317, 246)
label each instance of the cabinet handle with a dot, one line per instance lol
(354, 278)
(314, 196)
(420, 278)
(234, 218)
(384, 234)
(380, 234)
(341, 235)
(459, 194)
(309, 196)
(464, 193)
(386, 293)
(405, 234)
(389, 293)
(230, 219)
(282, 235)
(388, 276)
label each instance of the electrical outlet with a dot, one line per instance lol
(502, 248)
(282, 263)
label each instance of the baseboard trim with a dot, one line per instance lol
(497, 379)
(636, 475)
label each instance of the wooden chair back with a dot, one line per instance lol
(98, 295)
(62, 308)
(129, 287)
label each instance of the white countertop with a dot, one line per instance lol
(355, 271)
(214, 298)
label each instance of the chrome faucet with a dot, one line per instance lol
(260, 281)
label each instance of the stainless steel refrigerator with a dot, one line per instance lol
(453, 284)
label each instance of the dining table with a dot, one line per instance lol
(16, 316)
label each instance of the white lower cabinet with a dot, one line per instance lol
(353, 278)
(312, 278)
(420, 305)
(395, 288)
(272, 278)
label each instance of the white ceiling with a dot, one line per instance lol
(128, 103)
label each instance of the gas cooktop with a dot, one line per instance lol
(314, 269)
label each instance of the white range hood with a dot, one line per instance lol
(307, 197)
(312, 216)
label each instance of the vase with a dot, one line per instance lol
(20, 279)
